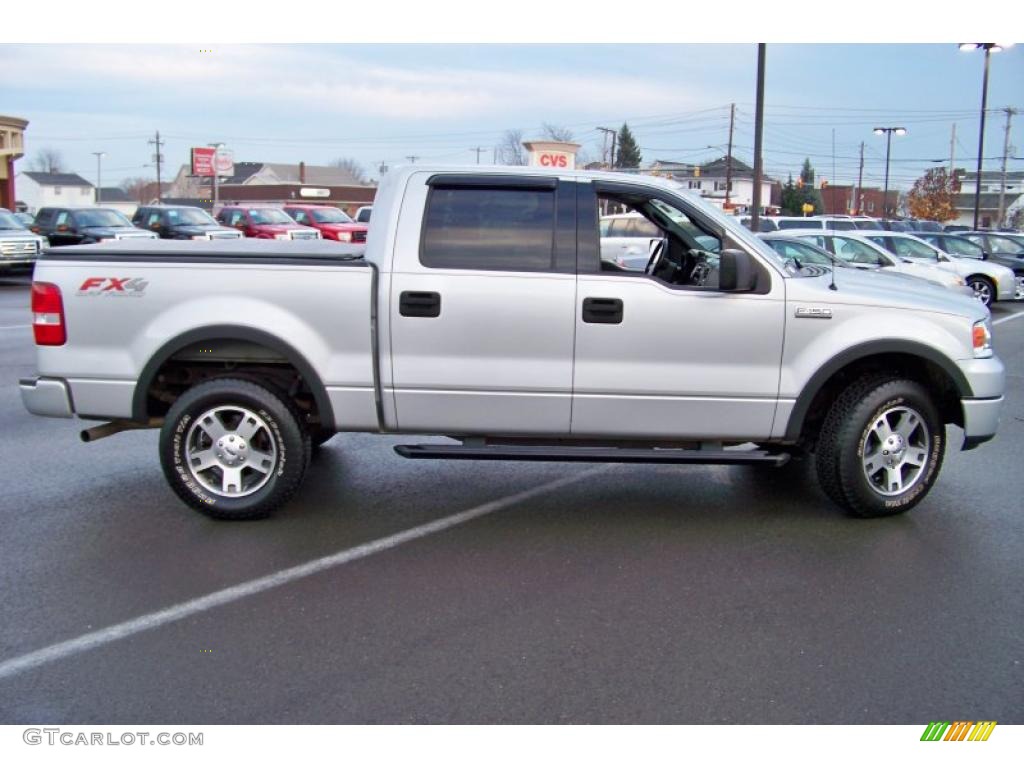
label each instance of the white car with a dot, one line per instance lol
(858, 251)
(627, 239)
(990, 282)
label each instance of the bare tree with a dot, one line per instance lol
(510, 148)
(141, 189)
(47, 160)
(355, 169)
(555, 132)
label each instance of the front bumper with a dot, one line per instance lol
(981, 420)
(46, 397)
(987, 379)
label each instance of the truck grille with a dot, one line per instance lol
(299, 234)
(134, 236)
(225, 235)
(19, 247)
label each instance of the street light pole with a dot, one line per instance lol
(99, 177)
(989, 49)
(888, 149)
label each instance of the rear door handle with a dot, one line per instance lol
(598, 310)
(419, 304)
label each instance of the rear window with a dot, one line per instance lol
(800, 224)
(844, 225)
(45, 216)
(501, 229)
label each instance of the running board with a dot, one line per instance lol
(599, 455)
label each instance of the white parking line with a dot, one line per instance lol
(246, 589)
(1007, 318)
(13, 327)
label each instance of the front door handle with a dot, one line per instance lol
(419, 304)
(597, 310)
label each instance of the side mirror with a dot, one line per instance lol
(736, 271)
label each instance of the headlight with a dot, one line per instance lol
(283, 236)
(981, 337)
(107, 239)
(345, 237)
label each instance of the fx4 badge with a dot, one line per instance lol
(814, 313)
(113, 286)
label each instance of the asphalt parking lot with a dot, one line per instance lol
(626, 594)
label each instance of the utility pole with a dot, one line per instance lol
(216, 174)
(478, 150)
(99, 179)
(158, 158)
(755, 215)
(728, 158)
(412, 158)
(858, 190)
(1010, 112)
(952, 152)
(614, 134)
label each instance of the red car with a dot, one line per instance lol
(265, 222)
(333, 223)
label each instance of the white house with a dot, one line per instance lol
(709, 181)
(988, 208)
(38, 189)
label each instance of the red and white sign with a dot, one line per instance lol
(203, 159)
(552, 154)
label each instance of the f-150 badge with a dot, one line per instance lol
(814, 313)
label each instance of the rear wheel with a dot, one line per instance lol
(881, 447)
(984, 290)
(233, 449)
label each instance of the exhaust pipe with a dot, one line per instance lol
(113, 427)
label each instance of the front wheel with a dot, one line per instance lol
(881, 447)
(984, 289)
(233, 450)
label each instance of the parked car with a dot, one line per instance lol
(18, 246)
(265, 222)
(999, 249)
(990, 282)
(481, 311)
(333, 223)
(363, 214)
(861, 253)
(81, 226)
(627, 240)
(182, 222)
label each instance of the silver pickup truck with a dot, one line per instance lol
(482, 311)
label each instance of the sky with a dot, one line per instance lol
(379, 104)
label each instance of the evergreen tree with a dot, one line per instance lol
(628, 153)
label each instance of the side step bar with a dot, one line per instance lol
(599, 455)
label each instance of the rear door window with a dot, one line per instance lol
(490, 229)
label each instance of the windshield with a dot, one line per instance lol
(269, 216)
(330, 216)
(101, 218)
(805, 253)
(8, 221)
(189, 216)
(961, 246)
(913, 249)
(857, 252)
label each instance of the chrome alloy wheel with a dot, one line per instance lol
(231, 451)
(1018, 288)
(982, 291)
(895, 451)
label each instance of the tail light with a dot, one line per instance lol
(48, 315)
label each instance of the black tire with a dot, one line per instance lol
(852, 426)
(984, 289)
(278, 434)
